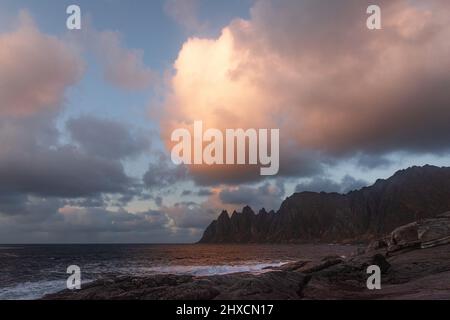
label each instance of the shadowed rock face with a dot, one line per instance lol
(424, 233)
(407, 196)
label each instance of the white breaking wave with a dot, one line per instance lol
(36, 290)
(32, 290)
(206, 270)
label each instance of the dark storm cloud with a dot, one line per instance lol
(62, 172)
(54, 220)
(52, 223)
(159, 201)
(190, 215)
(204, 193)
(107, 138)
(301, 163)
(200, 193)
(268, 196)
(32, 162)
(26, 210)
(90, 202)
(323, 184)
(103, 220)
(163, 173)
(52, 192)
(367, 161)
(12, 203)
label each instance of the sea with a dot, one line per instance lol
(28, 272)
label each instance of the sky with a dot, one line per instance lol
(86, 115)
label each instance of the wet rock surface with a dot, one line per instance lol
(270, 285)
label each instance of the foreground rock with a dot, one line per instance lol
(270, 285)
(414, 261)
(426, 233)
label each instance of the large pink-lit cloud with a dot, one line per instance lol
(313, 69)
(35, 70)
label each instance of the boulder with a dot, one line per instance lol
(423, 233)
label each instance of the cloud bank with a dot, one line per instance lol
(35, 70)
(334, 88)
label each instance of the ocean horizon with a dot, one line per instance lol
(30, 271)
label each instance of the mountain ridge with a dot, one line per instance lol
(410, 194)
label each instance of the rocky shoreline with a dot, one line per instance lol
(414, 260)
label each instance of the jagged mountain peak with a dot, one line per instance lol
(410, 194)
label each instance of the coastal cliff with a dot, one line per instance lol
(409, 195)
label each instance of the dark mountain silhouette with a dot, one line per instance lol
(409, 195)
